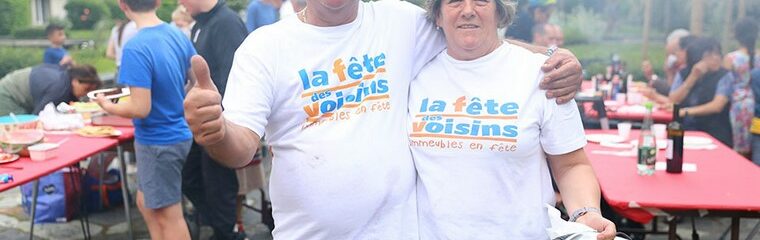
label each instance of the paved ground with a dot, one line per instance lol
(14, 224)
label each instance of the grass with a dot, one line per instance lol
(595, 57)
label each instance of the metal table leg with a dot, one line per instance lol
(734, 228)
(672, 225)
(124, 189)
(35, 191)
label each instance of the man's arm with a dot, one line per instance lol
(564, 73)
(712, 107)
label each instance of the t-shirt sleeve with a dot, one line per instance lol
(677, 82)
(49, 57)
(250, 94)
(561, 127)
(725, 85)
(140, 68)
(428, 41)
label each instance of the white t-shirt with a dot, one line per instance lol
(332, 102)
(129, 31)
(479, 131)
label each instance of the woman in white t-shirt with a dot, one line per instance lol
(481, 131)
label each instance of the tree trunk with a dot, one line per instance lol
(647, 25)
(666, 18)
(697, 17)
(728, 12)
(742, 9)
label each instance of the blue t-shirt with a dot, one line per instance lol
(158, 58)
(54, 55)
(259, 14)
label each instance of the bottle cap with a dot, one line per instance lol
(648, 105)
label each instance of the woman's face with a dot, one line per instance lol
(80, 89)
(469, 25)
(713, 60)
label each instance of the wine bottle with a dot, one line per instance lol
(674, 153)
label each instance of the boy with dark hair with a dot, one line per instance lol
(56, 54)
(154, 65)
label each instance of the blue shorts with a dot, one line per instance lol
(159, 172)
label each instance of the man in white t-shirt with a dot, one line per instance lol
(329, 89)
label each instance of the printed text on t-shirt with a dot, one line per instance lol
(472, 123)
(345, 90)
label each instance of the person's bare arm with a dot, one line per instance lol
(577, 182)
(111, 50)
(712, 107)
(228, 143)
(564, 72)
(682, 91)
(138, 106)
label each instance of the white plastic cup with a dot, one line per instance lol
(624, 129)
(660, 130)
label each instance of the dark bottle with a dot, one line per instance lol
(674, 153)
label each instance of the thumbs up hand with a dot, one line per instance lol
(203, 106)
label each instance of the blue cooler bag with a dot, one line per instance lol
(57, 199)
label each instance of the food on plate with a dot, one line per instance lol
(97, 131)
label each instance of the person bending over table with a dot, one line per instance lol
(481, 131)
(28, 90)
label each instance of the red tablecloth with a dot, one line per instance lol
(659, 116)
(75, 149)
(724, 181)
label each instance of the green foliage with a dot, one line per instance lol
(12, 59)
(113, 8)
(34, 32)
(581, 26)
(595, 57)
(165, 10)
(84, 14)
(13, 14)
(95, 57)
(237, 5)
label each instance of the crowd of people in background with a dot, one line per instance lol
(716, 91)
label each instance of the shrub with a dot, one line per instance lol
(84, 14)
(30, 33)
(582, 26)
(113, 7)
(14, 13)
(237, 5)
(12, 59)
(165, 10)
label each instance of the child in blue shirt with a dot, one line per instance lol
(56, 54)
(154, 65)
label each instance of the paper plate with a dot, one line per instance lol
(696, 141)
(598, 138)
(110, 93)
(7, 157)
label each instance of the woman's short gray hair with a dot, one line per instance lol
(505, 11)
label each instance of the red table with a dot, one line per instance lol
(74, 150)
(724, 185)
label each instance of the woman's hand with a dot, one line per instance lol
(605, 227)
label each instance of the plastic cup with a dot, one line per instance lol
(624, 129)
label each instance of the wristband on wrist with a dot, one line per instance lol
(551, 50)
(582, 211)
